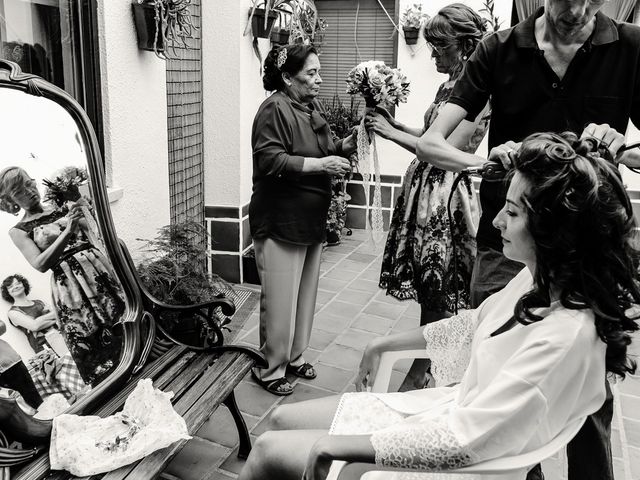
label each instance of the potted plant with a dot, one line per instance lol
(341, 119)
(263, 14)
(163, 25)
(493, 20)
(306, 26)
(280, 33)
(175, 268)
(411, 22)
(280, 36)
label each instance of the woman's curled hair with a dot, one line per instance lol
(8, 281)
(582, 224)
(12, 180)
(295, 57)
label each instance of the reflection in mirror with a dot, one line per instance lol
(61, 298)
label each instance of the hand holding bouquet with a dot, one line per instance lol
(384, 86)
(378, 84)
(69, 188)
(65, 187)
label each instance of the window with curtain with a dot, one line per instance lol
(56, 40)
(354, 35)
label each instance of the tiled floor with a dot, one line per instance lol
(351, 310)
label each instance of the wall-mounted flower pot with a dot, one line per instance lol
(257, 23)
(280, 36)
(411, 35)
(318, 41)
(144, 16)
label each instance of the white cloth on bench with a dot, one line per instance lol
(88, 445)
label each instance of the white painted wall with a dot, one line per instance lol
(232, 93)
(135, 125)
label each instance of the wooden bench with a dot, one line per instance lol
(200, 378)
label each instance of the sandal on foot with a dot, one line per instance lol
(279, 386)
(305, 370)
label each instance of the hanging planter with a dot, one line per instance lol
(280, 36)
(148, 27)
(412, 20)
(163, 25)
(259, 27)
(411, 35)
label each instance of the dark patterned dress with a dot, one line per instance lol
(86, 295)
(418, 259)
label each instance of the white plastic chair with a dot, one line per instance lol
(497, 466)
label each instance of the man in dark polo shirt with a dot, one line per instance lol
(567, 67)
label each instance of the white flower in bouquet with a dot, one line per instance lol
(378, 83)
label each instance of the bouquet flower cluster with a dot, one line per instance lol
(71, 184)
(378, 84)
(65, 186)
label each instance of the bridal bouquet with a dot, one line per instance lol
(65, 186)
(379, 85)
(71, 184)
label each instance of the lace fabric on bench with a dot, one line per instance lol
(88, 445)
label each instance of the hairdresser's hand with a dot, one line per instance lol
(319, 460)
(504, 153)
(374, 122)
(335, 165)
(608, 136)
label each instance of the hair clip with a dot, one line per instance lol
(282, 58)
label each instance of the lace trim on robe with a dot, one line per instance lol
(449, 346)
(425, 446)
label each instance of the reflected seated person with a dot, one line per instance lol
(32, 317)
(538, 352)
(15, 375)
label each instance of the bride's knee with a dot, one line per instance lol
(282, 418)
(263, 447)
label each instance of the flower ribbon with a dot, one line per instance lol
(374, 223)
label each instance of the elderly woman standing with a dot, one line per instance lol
(294, 158)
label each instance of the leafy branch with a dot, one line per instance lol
(493, 19)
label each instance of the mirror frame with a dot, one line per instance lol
(11, 76)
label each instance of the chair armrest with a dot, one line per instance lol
(387, 361)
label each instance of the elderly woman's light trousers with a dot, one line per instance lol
(289, 277)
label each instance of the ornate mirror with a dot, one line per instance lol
(68, 334)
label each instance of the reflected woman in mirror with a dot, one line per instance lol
(14, 374)
(86, 295)
(32, 317)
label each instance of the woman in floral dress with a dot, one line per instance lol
(417, 262)
(86, 295)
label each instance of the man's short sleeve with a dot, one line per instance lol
(473, 88)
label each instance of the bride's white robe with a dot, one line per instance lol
(519, 390)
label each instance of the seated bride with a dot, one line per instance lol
(536, 353)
